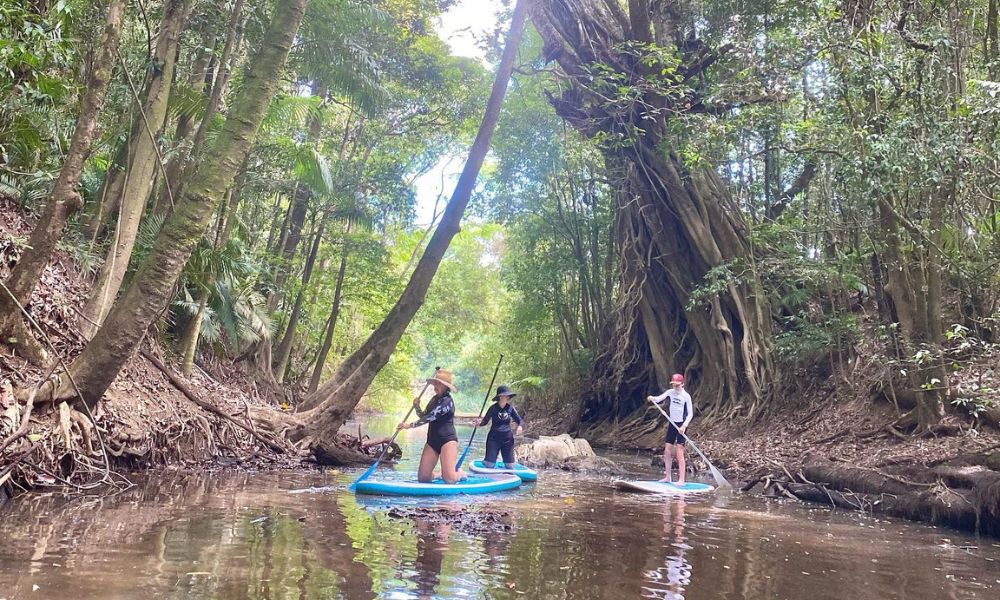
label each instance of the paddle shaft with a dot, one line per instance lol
(716, 474)
(465, 452)
(385, 448)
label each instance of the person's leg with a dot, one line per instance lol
(449, 456)
(508, 452)
(668, 462)
(428, 458)
(680, 464)
(492, 449)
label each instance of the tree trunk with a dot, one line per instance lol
(109, 194)
(991, 43)
(331, 325)
(143, 161)
(189, 342)
(290, 241)
(338, 396)
(233, 36)
(678, 228)
(101, 360)
(229, 217)
(186, 122)
(65, 199)
(285, 347)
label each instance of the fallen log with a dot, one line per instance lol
(370, 443)
(336, 454)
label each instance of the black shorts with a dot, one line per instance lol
(674, 436)
(437, 441)
(500, 444)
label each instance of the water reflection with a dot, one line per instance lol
(675, 575)
(432, 542)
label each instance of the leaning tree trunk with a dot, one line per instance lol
(678, 229)
(101, 360)
(336, 398)
(65, 199)
(144, 155)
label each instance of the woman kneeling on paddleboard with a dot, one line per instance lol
(501, 438)
(442, 442)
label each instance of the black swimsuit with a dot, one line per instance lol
(440, 419)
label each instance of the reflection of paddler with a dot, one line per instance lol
(678, 568)
(432, 542)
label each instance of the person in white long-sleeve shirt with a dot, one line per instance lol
(680, 412)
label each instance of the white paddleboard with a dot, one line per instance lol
(656, 487)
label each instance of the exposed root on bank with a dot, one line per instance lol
(966, 498)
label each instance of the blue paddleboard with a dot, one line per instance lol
(656, 487)
(469, 485)
(521, 471)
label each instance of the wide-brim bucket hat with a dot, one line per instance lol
(503, 391)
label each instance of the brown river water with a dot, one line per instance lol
(303, 535)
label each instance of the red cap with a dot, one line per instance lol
(677, 378)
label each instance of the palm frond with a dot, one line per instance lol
(290, 112)
(330, 51)
(186, 101)
(312, 168)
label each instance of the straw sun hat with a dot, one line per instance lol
(443, 376)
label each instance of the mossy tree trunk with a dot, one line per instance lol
(331, 324)
(142, 162)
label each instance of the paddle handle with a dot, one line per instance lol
(465, 453)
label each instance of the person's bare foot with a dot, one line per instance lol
(680, 482)
(665, 480)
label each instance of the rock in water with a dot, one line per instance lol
(563, 452)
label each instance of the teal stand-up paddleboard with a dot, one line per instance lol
(521, 471)
(657, 487)
(469, 485)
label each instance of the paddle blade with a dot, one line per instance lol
(720, 480)
(364, 476)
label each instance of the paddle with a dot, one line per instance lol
(489, 390)
(720, 480)
(385, 448)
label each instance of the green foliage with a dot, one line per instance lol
(805, 340)
(716, 280)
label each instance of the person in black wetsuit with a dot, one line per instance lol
(501, 439)
(442, 441)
